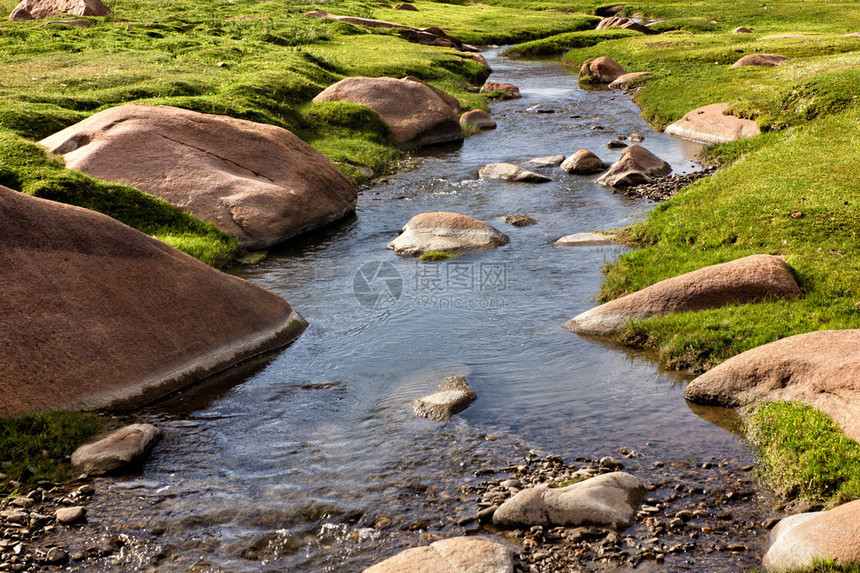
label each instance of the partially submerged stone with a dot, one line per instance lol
(636, 166)
(455, 555)
(609, 500)
(452, 396)
(760, 60)
(749, 279)
(586, 240)
(583, 161)
(817, 368)
(519, 220)
(257, 182)
(99, 315)
(508, 91)
(547, 161)
(510, 172)
(446, 232)
(710, 124)
(39, 9)
(410, 108)
(602, 70)
(624, 81)
(479, 118)
(798, 541)
(120, 449)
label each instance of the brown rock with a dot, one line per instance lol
(602, 70)
(448, 232)
(800, 540)
(449, 100)
(455, 555)
(411, 109)
(519, 220)
(508, 91)
(624, 23)
(817, 368)
(70, 515)
(583, 161)
(624, 81)
(741, 30)
(760, 60)
(257, 182)
(452, 396)
(426, 39)
(744, 280)
(38, 9)
(408, 7)
(479, 118)
(116, 451)
(97, 314)
(709, 124)
(636, 166)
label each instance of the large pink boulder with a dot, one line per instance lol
(257, 182)
(411, 108)
(749, 279)
(96, 314)
(816, 368)
(709, 124)
(446, 232)
(636, 166)
(38, 9)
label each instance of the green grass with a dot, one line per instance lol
(43, 440)
(561, 43)
(803, 453)
(432, 256)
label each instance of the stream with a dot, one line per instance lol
(313, 461)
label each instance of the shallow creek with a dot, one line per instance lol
(314, 461)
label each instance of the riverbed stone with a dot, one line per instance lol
(116, 451)
(508, 91)
(519, 220)
(39, 9)
(636, 166)
(623, 23)
(710, 124)
(99, 315)
(447, 232)
(760, 60)
(624, 81)
(410, 108)
(510, 172)
(71, 515)
(749, 279)
(799, 540)
(586, 240)
(609, 500)
(547, 161)
(452, 396)
(816, 368)
(602, 70)
(583, 161)
(479, 118)
(455, 555)
(257, 182)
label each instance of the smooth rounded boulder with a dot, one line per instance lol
(39, 9)
(455, 555)
(478, 118)
(624, 24)
(116, 451)
(447, 232)
(586, 240)
(816, 368)
(760, 60)
(710, 124)
(98, 315)
(547, 161)
(798, 541)
(510, 172)
(257, 182)
(636, 166)
(609, 500)
(410, 108)
(602, 70)
(452, 396)
(583, 161)
(508, 91)
(749, 279)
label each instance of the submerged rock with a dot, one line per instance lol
(749, 279)
(455, 555)
(583, 161)
(452, 396)
(257, 182)
(446, 232)
(510, 172)
(479, 118)
(609, 500)
(636, 166)
(519, 220)
(508, 91)
(760, 60)
(118, 450)
(710, 124)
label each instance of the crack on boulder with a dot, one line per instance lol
(221, 157)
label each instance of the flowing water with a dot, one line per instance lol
(314, 461)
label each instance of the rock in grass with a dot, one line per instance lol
(602, 70)
(479, 118)
(749, 279)
(115, 452)
(800, 540)
(741, 30)
(624, 24)
(97, 314)
(508, 91)
(609, 500)
(710, 124)
(410, 108)
(452, 396)
(408, 7)
(583, 161)
(510, 172)
(455, 555)
(816, 368)
(586, 240)
(760, 60)
(636, 166)
(257, 182)
(70, 515)
(446, 232)
(624, 81)
(38, 9)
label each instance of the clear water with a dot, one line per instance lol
(314, 461)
